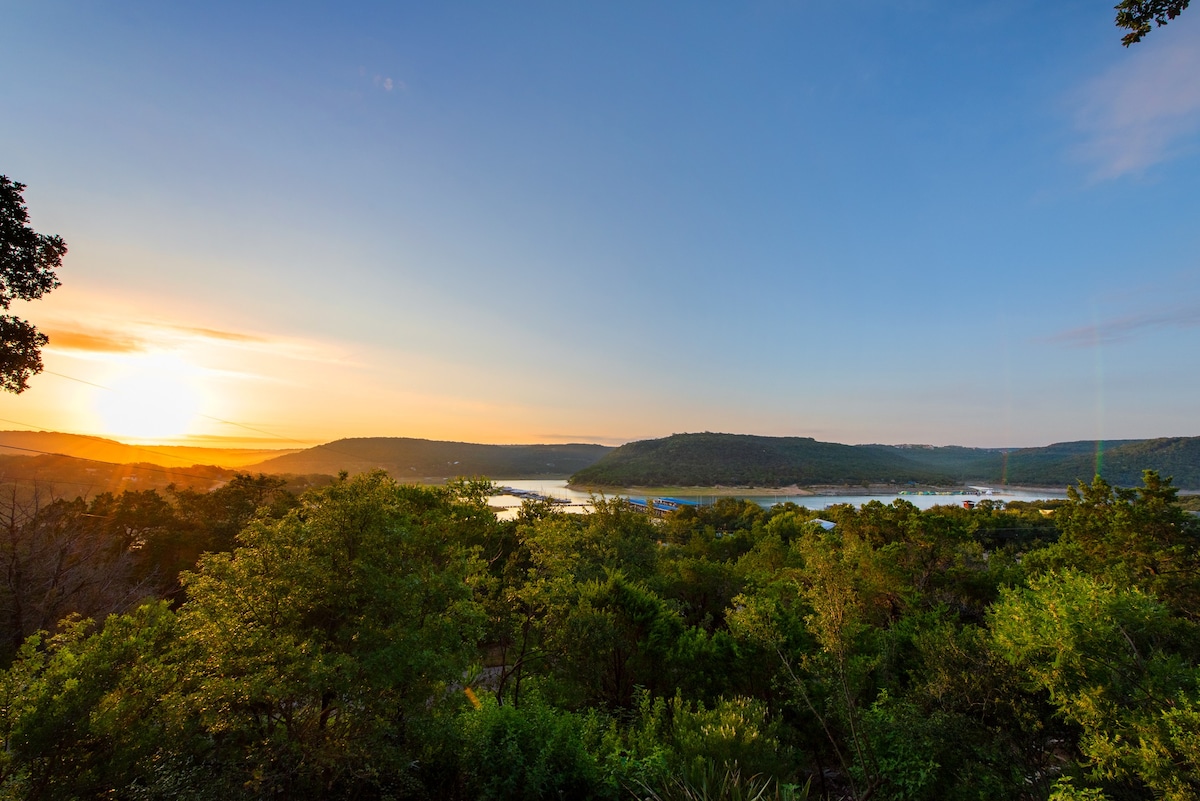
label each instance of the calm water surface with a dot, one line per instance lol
(581, 501)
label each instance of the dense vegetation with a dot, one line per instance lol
(374, 640)
(745, 460)
(74, 476)
(741, 460)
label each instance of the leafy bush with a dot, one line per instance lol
(736, 731)
(706, 780)
(529, 752)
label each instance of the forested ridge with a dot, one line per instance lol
(90, 464)
(743, 460)
(413, 459)
(369, 639)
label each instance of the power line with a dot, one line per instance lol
(80, 380)
(131, 466)
(122, 444)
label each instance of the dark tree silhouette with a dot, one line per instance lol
(28, 261)
(1136, 16)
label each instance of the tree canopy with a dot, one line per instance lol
(1136, 16)
(28, 261)
(370, 640)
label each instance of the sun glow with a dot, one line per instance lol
(152, 397)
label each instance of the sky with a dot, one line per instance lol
(912, 221)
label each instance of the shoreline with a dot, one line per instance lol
(818, 490)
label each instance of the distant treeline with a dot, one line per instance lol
(744, 460)
(69, 476)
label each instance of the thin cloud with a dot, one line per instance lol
(299, 350)
(212, 333)
(1145, 110)
(93, 341)
(1122, 329)
(147, 335)
(387, 84)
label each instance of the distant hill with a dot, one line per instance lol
(32, 443)
(71, 476)
(432, 460)
(745, 460)
(95, 464)
(1120, 462)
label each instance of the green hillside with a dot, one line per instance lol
(430, 460)
(742, 460)
(745, 460)
(1119, 462)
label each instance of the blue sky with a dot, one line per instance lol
(907, 222)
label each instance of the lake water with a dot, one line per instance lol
(581, 501)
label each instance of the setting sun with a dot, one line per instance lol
(152, 397)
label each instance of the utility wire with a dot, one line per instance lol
(122, 444)
(150, 469)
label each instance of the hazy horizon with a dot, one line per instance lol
(234, 444)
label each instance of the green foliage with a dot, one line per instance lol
(1136, 16)
(530, 752)
(215, 518)
(1137, 537)
(906, 744)
(618, 635)
(707, 460)
(322, 650)
(974, 716)
(313, 643)
(734, 731)
(79, 712)
(107, 555)
(674, 748)
(707, 780)
(1113, 662)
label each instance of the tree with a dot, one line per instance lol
(1131, 537)
(79, 711)
(59, 557)
(28, 261)
(1136, 16)
(317, 646)
(1118, 665)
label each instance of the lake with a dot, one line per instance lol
(581, 501)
